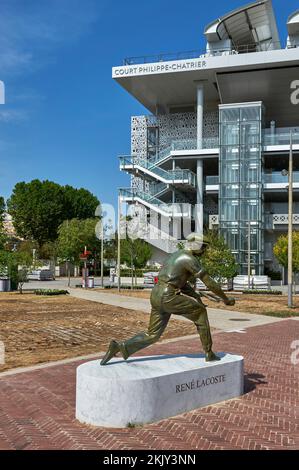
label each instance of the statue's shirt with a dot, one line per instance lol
(179, 268)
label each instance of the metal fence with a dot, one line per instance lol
(202, 54)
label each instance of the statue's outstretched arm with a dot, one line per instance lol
(214, 287)
(188, 290)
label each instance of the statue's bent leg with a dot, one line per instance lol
(157, 325)
(190, 308)
(200, 318)
(201, 322)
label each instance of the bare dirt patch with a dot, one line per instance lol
(272, 305)
(38, 329)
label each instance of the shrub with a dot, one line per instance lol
(51, 292)
(280, 251)
(262, 292)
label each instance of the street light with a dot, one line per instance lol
(103, 234)
(102, 255)
(249, 254)
(290, 223)
(118, 243)
(100, 234)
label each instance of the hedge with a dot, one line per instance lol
(51, 292)
(262, 292)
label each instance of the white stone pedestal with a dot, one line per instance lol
(147, 389)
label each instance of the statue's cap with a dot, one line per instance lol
(197, 237)
(196, 240)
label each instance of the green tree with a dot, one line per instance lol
(135, 253)
(48, 251)
(73, 236)
(3, 237)
(27, 246)
(280, 251)
(110, 249)
(218, 260)
(2, 209)
(37, 210)
(79, 203)
(39, 207)
(25, 265)
(15, 265)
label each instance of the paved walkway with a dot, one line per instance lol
(226, 320)
(62, 283)
(37, 408)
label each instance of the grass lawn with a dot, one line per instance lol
(38, 329)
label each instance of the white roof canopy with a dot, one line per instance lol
(252, 24)
(293, 23)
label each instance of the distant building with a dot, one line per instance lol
(8, 226)
(218, 136)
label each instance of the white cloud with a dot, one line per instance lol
(13, 115)
(32, 30)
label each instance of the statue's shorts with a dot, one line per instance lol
(166, 300)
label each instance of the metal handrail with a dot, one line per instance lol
(277, 177)
(167, 57)
(157, 188)
(170, 175)
(279, 138)
(274, 177)
(130, 192)
(171, 209)
(212, 180)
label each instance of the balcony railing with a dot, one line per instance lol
(280, 137)
(274, 177)
(202, 54)
(212, 180)
(277, 177)
(191, 144)
(183, 144)
(283, 219)
(270, 220)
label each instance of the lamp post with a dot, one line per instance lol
(118, 243)
(248, 254)
(104, 228)
(290, 223)
(102, 256)
(290, 227)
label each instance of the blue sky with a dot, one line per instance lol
(65, 119)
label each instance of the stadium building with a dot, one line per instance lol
(217, 137)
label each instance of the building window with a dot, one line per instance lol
(241, 195)
(152, 142)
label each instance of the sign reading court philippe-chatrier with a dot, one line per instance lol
(163, 67)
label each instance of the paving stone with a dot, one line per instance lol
(37, 408)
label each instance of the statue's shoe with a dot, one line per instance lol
(112, 351)
(211, 356)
